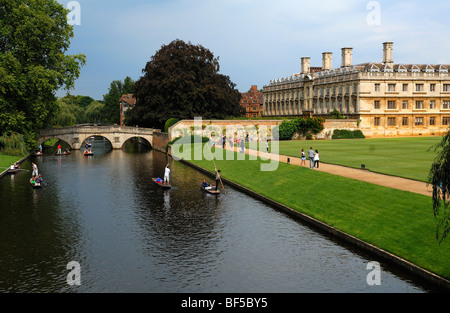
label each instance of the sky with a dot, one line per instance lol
(255, 40)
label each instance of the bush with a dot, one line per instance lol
(305, 126)
(347, 134)
(13, 144)
(171, 121)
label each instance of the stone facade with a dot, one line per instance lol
(389, 99)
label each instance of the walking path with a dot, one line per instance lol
(359, 174)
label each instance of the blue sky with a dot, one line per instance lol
(255, 40)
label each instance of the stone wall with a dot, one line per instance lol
(329, 125)
(160, 140)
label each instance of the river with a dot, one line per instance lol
(129, 235)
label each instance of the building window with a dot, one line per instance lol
(391, 87)
(432, 104)
(432, 87)
(419, 87)
(418, 121)
(446, 87)
(376, 104)
(391, 121)
(391, 105)
(377, 87)
(446, 121)
(419, 105)
(432, 120)
(404, 121)
(446, 104)
(405, 87)
(405, 105)
(376, 121)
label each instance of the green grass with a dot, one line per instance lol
(404, 157)
(397, 221)
(7, 160)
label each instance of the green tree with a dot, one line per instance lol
(439, 178)
(94, 111)
(182, 81)
(34, 39)
(111, 109)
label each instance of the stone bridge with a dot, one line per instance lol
(116, 134)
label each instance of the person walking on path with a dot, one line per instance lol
(267, 146)
(167, 175)
(303, 155)
(311, 157)
(316, 159)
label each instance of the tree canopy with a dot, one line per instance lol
(111, 110)
(182, 81)
(34, 37)
(439, 178)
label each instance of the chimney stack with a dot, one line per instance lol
(327, 61)
(387, 52)
(305, 65)
(347, 57)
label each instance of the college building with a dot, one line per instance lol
(251, 102)
(126, 102)
(385, 98)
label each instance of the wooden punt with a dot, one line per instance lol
(211, 191)
(161, 185)
(13, 171)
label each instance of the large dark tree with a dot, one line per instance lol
(439, 178)
(182, 81)
(34, 39)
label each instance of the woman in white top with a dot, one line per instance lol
(316, 159)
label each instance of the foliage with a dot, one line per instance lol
(347, 134)
(439, 178)
(111, 110)
(13, 144)
(182, 80)
(171, 121)
(304, 126)
(34, 37)
(94, 112)
(335, 115)
(75, 110)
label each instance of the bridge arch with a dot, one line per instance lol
(117, 135)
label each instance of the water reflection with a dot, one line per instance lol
(130, 235)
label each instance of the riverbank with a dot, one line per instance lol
(395, 224)
(7, 160)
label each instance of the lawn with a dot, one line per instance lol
(7, 160)
(397, 221)
(404, 157)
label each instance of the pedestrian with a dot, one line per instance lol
(167, 175)
(224, 140)
(303, 154)
(35, 170)
(316, 159)
(311, 157)
(267, 145)
(217, 178)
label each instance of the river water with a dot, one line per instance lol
(129, 235)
